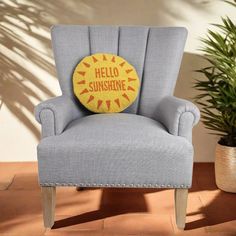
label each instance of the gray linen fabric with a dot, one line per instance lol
(55, 114)
(132, 47)
(120, 149)
(163, 57)
(178, 116)
(151, 147)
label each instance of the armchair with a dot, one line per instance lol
(146, 146)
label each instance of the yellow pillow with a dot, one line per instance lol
(105, 83)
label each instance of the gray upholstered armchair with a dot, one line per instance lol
(147, 146)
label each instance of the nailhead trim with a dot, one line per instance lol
(117, 185)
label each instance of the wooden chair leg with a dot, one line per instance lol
(181, 198)
(48, 201)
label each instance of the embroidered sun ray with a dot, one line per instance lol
(131, 79)
(84, 91)
(90, 99)
(86, 64)
(117, 101)
(129, 70)
(108, 102)
(130, 88)
(113, 59)
(99, 104)
(94, 59)
(82, 73)
(81, 82)
(122, 64)
(125, 96)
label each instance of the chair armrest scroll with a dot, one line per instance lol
(55, 114)
(178, 116)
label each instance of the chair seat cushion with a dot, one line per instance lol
(115, 150)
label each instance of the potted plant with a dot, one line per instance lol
(217, 98)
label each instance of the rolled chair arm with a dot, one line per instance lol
(56, 113)
(178, 116)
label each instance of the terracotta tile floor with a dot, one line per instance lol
(112, 211)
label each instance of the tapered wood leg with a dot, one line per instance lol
(181, 198)
(48, 201)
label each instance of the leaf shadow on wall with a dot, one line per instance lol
(21, 59)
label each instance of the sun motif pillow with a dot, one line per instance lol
(105, 83)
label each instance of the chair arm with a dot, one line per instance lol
(55, 114)
(178, 116)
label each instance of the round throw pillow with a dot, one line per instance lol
(105, 83)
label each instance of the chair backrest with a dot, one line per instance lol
(155, 52)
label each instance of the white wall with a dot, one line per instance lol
(27, 66)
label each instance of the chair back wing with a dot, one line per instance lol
(155, 52)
